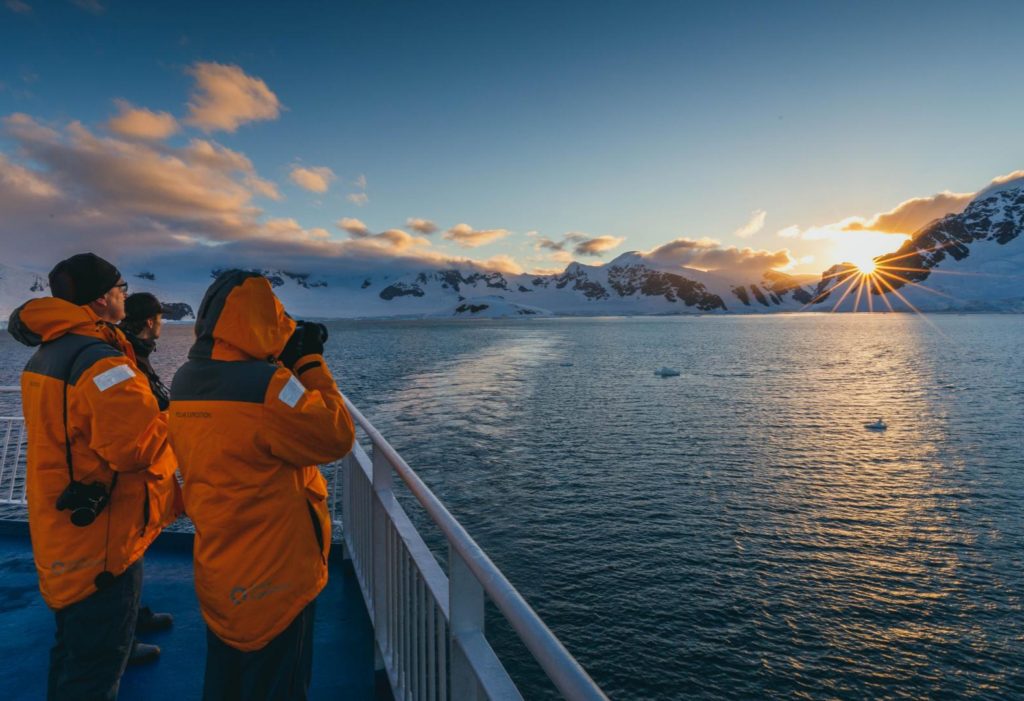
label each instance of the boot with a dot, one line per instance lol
(149, 622)
(143, 653)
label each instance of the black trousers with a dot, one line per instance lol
(94, 639)
(281, 671)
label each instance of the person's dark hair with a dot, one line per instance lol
(139, 308)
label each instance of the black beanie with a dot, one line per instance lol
(83, 278)
(139, 307)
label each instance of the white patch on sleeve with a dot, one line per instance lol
(292, 392)
(113, 376)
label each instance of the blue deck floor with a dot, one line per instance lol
(342, 662)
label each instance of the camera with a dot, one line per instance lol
(309, 338)
(311, 334)
(84, 501)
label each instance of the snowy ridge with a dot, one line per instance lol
(973, 261)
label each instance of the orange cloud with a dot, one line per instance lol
(423, 226)
(225, 98)
(502, 264)
(313, 179)
(399, 240)
(468, 237)
(708, 254)
(545, 243)
(287, 229)
(753, 225)
(133, 199)
(21, 181)
(910, 215)
(213, 155)
(598, 245)
(354, 227)
(196, 187)
(262, 187)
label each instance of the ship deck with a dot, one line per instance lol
(342, 662)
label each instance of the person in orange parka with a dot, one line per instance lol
(95, 432)
(253, 411)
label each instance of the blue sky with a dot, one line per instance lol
(639, 122)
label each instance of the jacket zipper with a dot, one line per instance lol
(318, 530)
(145, 510)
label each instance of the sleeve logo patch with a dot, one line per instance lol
(113, 376)
(292, 392)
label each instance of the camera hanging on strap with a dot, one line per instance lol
(84, 500)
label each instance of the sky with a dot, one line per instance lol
(511, 136)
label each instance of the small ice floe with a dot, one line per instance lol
(666, 372)
(876, 425)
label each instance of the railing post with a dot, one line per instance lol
(345, 475)
(466, 604)
(381, 490)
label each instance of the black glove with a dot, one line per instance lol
(308, 339)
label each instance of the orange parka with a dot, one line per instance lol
(249, 435)
(114, 426)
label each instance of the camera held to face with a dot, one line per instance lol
(308, 339)
(84, 501)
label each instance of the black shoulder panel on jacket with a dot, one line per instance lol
(222, 381)
(54, 358)
(90, 356)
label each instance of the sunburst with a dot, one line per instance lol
(862, 278)
(866, 278)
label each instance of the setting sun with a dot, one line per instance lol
(860, 248)
(866, 267)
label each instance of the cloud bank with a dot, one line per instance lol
(127, 190)
(709, 254)
(137, 199)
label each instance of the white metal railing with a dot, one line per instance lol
(12, 451)
(429, 625)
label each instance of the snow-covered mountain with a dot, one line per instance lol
(972, 261)
(968, 261)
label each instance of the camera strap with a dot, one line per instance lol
(64, 397)
(105, 578)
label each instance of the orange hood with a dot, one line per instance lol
(241, 318)
(48, 318)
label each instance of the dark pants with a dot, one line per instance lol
(278, 672)
(94, 639)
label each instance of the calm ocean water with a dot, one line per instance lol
(733, 532)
